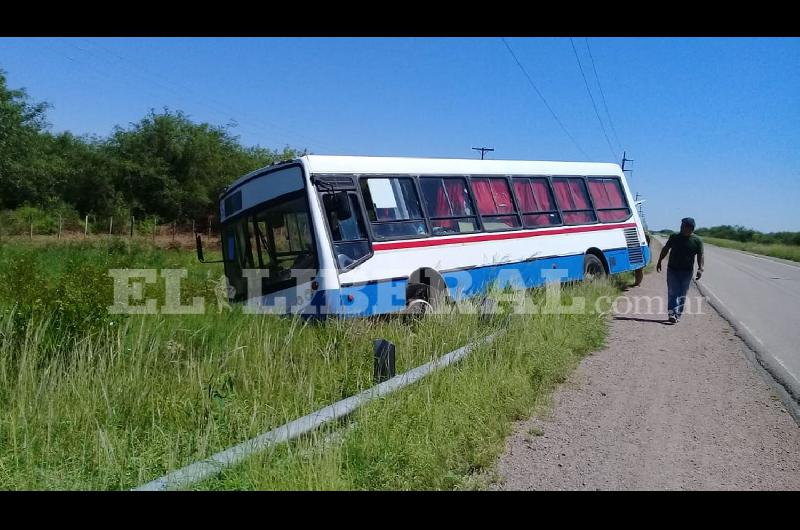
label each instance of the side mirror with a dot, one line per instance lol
(199, 243)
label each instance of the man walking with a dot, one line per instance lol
(682, 249)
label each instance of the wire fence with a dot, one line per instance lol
(42, 225)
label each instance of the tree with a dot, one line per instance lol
(23, 158)
(164, 164)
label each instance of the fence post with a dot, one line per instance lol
(86, 227)
(110, 225)
(132, 221)
(31, 220)
(193, 230)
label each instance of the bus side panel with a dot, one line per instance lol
(522, 275)
(374, 298)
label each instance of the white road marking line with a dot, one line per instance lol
(720, 302)
(705, 286)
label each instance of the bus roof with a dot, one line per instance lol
(458, 166)
(438, 166)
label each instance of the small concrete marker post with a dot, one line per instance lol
(384, 365)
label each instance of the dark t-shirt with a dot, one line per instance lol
(682, 251)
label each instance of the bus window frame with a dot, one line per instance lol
(467, 178)
(588, 197)
(547, 179)
(515, 203)
(331, 243)
(369, 223)
(249, 215)
(624, 198)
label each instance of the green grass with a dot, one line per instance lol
(790, 252)
(92, 401)
(445, 429)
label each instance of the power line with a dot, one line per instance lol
(594, 106)
(602, 95)
(543, 99)
(286, 131)
(181, 90)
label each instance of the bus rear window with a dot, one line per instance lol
(393, 207)
(609, 199)
(574, 200)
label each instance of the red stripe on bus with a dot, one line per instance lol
(414, 243)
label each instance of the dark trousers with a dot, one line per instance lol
(677, 286)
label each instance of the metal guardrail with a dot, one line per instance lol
(213, 465)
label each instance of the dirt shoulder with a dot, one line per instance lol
(662, 407)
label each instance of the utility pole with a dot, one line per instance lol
(625, 159)
(482, 150)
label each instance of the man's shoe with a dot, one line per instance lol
(672, 319)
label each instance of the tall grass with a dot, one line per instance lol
(790, 252)
(446, 430)
(112, 403)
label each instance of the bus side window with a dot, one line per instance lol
(609, 199)
(349, 236)
(535, 199)
(393, 207)
(449, 205)
(574, 200)
(493, 197)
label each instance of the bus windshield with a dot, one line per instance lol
(275, 236)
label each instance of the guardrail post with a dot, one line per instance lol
(384, 366)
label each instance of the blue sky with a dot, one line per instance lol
(713, 124)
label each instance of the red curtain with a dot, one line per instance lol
(483, 196)
(615, 195)
(562, 194)
(539, 219)
(524, 195)
(612, 216)
(599, 194)
(457, 192)
(574, 218)
(502, 196)
(542, 195)
(579, 194)
(433, 191)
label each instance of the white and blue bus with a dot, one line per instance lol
(360, 236)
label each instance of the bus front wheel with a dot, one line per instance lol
(593, 268)
(418, 298)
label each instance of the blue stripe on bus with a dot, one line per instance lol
(388, 296)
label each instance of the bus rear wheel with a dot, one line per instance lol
(593, 268)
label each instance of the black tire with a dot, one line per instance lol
(593, 268)
(418, 298)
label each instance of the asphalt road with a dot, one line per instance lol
(761, 296)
